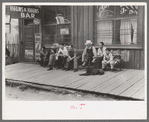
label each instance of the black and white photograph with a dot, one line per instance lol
(80, 53)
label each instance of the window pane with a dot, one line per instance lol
(126, 11)
(105, 31)
(49, 15)
(126, 31)
(104, 12)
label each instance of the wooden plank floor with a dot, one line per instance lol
(127, 83)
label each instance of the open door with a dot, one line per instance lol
(29, 43)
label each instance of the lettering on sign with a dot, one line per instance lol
(27, 15)
(24, 11)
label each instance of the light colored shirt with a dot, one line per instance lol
(101, 52)
(108, 57)
(84, 52)
(63, 51)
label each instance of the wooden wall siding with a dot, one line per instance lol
(132, 59)
(80, 27)
(91, 23)
(140, 23)
(142, 59)
(21, 32)
(137, 59)
(75, 27)
(72, 26)
(86, 23)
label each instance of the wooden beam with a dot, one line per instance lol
(72, 25)
(131, 59)
(140, 29)
(137, 59)
(75, 27)
(91, 23)
(86, 26)
(80, 27)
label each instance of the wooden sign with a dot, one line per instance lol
(22, 11)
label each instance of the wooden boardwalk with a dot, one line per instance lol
(127, 83)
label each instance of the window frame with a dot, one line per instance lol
(114, 19)
(58, 26)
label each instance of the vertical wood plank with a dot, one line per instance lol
(140, 23)
(137, 59)
(142, 59)
(91, 23)
(86, 26)
(94, 26)
(131, 59)
(80, 27)
(75, 27)
(72, 25)
(21, 40)
(127, 60)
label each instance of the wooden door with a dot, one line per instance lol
(29, 43)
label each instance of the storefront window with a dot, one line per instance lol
(56, 26)
(126, 31)
(119, 27)
(104, 31)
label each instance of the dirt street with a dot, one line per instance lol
(20, 93)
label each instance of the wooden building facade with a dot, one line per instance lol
(87, 24)
(119, 27)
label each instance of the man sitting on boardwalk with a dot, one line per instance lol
(43, 57)
(71, 59)
(108, 59)
(61, 56)
(51, 58)
(100, 54)
(88, 54)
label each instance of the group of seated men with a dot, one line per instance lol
(65, 57)
(61, 57)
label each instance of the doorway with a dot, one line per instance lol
(29, 43)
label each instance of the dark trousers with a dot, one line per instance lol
(61, 62)
(69, 64)
(98, 62)
(51, 60)
(88, 61)
(42, 62)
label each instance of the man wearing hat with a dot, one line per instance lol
(88, 54)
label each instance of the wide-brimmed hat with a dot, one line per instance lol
(56, 45)
(88, 42)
